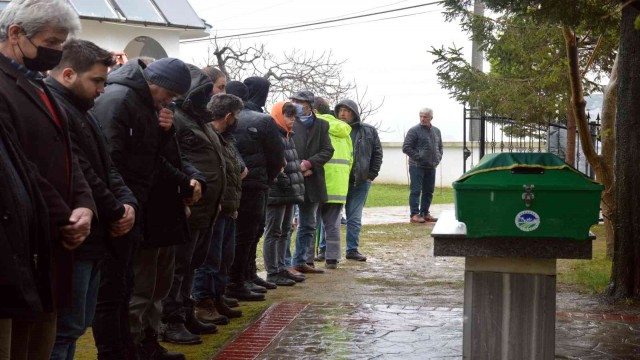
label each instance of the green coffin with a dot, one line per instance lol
(526, 195)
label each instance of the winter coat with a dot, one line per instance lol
(367, 149)
(44, 139)
(258, 142)
(314, 145)
(202, 146)
(107, 187)
(129, 120)
(288, 187)
(336, 170)
(25, 243)
(257, 92)
(234, 168)
(423, 145)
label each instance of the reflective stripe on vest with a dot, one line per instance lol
(336, 198)
(338, 161)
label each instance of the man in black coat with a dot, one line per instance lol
(76, 82)
(258, 142)
(31, 38)
(314, 149)
(134, 116)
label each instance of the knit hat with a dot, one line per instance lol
(304, 95)
(169, 73)
(238, 89)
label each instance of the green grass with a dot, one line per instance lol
(590, 276)
(398, 195)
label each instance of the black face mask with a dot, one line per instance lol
(45, 60)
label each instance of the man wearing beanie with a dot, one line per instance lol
(367, 159)
(314, 150)
(138, 125)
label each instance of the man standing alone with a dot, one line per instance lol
(423, 145)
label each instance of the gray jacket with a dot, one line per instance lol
(423, 145)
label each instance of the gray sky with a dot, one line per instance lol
(389, 57)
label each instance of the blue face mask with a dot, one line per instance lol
(299, 110)
(306, 120)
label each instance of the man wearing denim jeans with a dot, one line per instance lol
(423, 145)
(314, 149)
(367, 159)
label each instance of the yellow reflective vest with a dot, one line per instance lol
(336, 170)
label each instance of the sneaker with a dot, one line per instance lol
(355, 255)
(206, 312)
(264, 283)
(331, 264)
(280, 280)
(417, 218)
(320, 256)
(429, 218)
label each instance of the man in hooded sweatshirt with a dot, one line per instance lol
(258, 142)
(134, 115)
(314, 149)
(367, 159)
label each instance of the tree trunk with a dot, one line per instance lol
(625, 273)
(570, 155)
(608, 138)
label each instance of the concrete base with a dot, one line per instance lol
(509, 308)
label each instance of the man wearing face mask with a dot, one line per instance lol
(31, 36)
(202, 146)
(314, 149)
(134, 115)
(76, 82)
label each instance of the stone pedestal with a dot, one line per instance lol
(510, 290)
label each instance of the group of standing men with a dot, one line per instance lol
(136, 207)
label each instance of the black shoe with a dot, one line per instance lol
(197, 327)
(230, 302)
(320, 256)
(242, 293)
(280, 280)
(264, 283)
(150, 349)
(255, 288)
(289, 275)
(224, 309)
(343, 221)
(355, 255)
(176, 333)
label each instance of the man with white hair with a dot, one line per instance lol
(31, 36)
(423, 145)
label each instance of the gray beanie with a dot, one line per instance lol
(349, 104)
(169, 73)
(304, 95)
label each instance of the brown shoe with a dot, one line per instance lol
(295, 272)
(429, 218)
(206, 312)
(417, 218)
(306, 269)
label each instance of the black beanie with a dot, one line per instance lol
(169, 73)
(238, 89)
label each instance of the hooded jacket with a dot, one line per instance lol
(234, 168)
(257, 92)
(336, 170)
(202, 146)
(288, 187)
(107, 186)
(367, 149)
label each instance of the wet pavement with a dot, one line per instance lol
(405, 304)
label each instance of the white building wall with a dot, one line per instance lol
(115, 37)
(395, 166)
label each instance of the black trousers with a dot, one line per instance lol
(249, 228)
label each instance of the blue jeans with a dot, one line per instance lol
(287, 254)
(306, 236)
(356, 197)
(211, 278)
(423, 181)
(73, 322)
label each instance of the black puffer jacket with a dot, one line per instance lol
(202, 146)
(288, 187)
(367, 149)
(130, 121)
(258, 142)
(234, 166)
(25, 245)
(107, 187)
